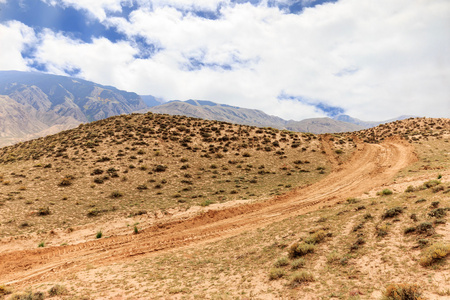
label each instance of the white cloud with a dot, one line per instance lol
(14, 38)
(101, 60)
(375, 61)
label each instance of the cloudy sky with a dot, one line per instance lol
(296, 59)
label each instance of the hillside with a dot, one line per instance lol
(40, 104)
(218, 210)
(214, 111)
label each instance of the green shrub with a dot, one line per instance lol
(281, 262)
(385, 192)
(402, 292)
(99, 234)
(392, 212)
(297, 250)
(438, 213)
(409, 189)
(300, 277)
(276, 273)
(316, 237)
(298, 263)
(431, 183)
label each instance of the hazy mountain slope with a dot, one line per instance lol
(321, 125)
(214, 111)
(151, 101)
(39, 103)
(367, 124)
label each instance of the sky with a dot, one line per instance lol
(295, 59)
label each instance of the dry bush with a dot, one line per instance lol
(434, 253)
(402, 291)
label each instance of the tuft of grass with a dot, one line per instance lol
(301, 277)
(385, 192)
(276, 273)
(206, 203)
(392, 212)
(281, 262)
(99, 234)
(4, 290)
(297, 263)
(135, 230)
(57, 290)
(297, 249)
(434, 253)
(402, 291)
(316, 237)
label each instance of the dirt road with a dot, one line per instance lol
(371, 166)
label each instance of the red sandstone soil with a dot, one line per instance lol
(371, 166)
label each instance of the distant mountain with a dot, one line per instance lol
(151, 101)
(233, 114)
(36, 104)
(368, 124)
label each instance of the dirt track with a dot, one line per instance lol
(371, 166)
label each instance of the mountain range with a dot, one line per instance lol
(36, 104)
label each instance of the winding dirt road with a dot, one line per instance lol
(371, 166)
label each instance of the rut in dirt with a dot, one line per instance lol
(371, 166)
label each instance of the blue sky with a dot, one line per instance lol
(292, 58)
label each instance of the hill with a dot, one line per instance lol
(179, 207)
(39, 104)
(214, 111)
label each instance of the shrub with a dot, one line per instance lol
(409, 189)
(66, 181)
(300, 277)
(298, 263)
(425, 227)
(402, 292)
(116, 194)
(382, 230)
(142, 187)
(57, 290)
(297, 250)
(409, 230)
(392, 212)
(434, 204)
(160, 168)
(333, 257)
(206, 203)
(93, 212)
(99, 234)
(4, 290)
(135, 230)
(434, 253)
(276, 273)
(431, 183)
(281, 262)
(43, 211)
(438, 213)
(41, 245)
(316, 237)
(421, 200)
(385, 192)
